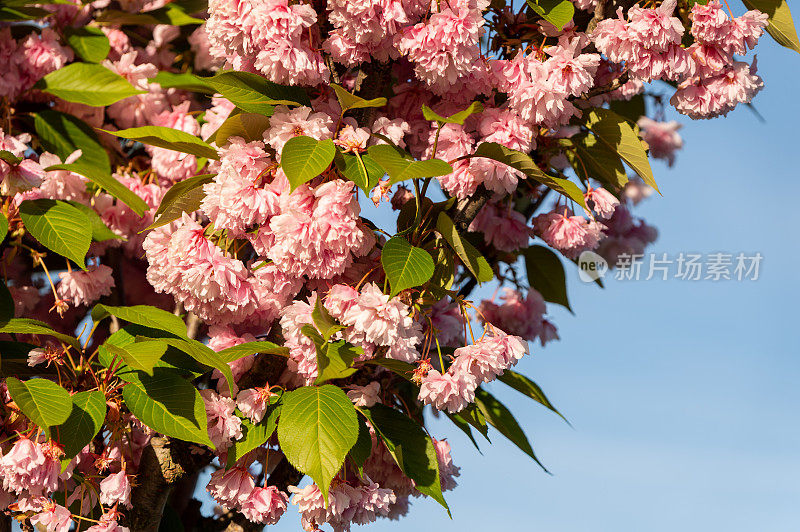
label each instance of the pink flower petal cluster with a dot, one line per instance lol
(662, 138)
(271, 37)
(649, 42)
(31, 467)
(567, 233)
(539, 91)
(626, 235)
(171, 165)
(223, 425)
(474, 364)
(116, 488)
(502, 227)
(601, 201)
(719, 82)
(447, 469)
(240, 196)
(286, 123)
(518, 315)
(374, 320)
(346, 504)
(187, 265)
(236, 489)
(27, 60)
(318, 231)
(85, 287)
(444, 49)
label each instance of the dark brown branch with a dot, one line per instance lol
(603, 10)
(465, 210)
(164, 463)
(613, 85)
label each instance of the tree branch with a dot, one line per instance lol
(164, 463)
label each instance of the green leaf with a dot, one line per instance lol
(205, 355)
(402, 369)
(559, 13)
(546, 275)
(360, 169)
(254, 94)
(249, 126)
(62, 134)
(464, 427)
(501, 418)
(87, 83)
(170, 14)
(84, 422)
(236, 352)
(168, 404)
(28, 326)
(781, 25)
(59, 227)
(406, 266)
(174, 359)
(3, 227)
(100, 231)
(44, 402)
(12, 13)
(89, 43)
(592, 158)
(334, 359)
(470, 256)
(457, 118)
(411, 448)
(144, 315)
(106, 181)
(349, 101)
(184, 80)
(400, 166)
(318, 428)
(526, 165)
(170, 139)
(254, 436)
(324, 322)
(632, 109)
(304, 158)
(140, 356)
(527, 387)
(616, 133)
(183, 196)
(362, 449)
(10, 158)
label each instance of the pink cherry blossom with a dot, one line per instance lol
(364, 396)
(223, 425)
(116, 488)
(231, 488)
(265, 505)
(85, 287)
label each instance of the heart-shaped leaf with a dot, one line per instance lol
(317, 429)
(44, 402)
(406, 266)
(304, 158)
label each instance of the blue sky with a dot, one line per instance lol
(682, 395)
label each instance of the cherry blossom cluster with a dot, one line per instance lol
(491, 119)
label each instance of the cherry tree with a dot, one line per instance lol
(244, 236)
